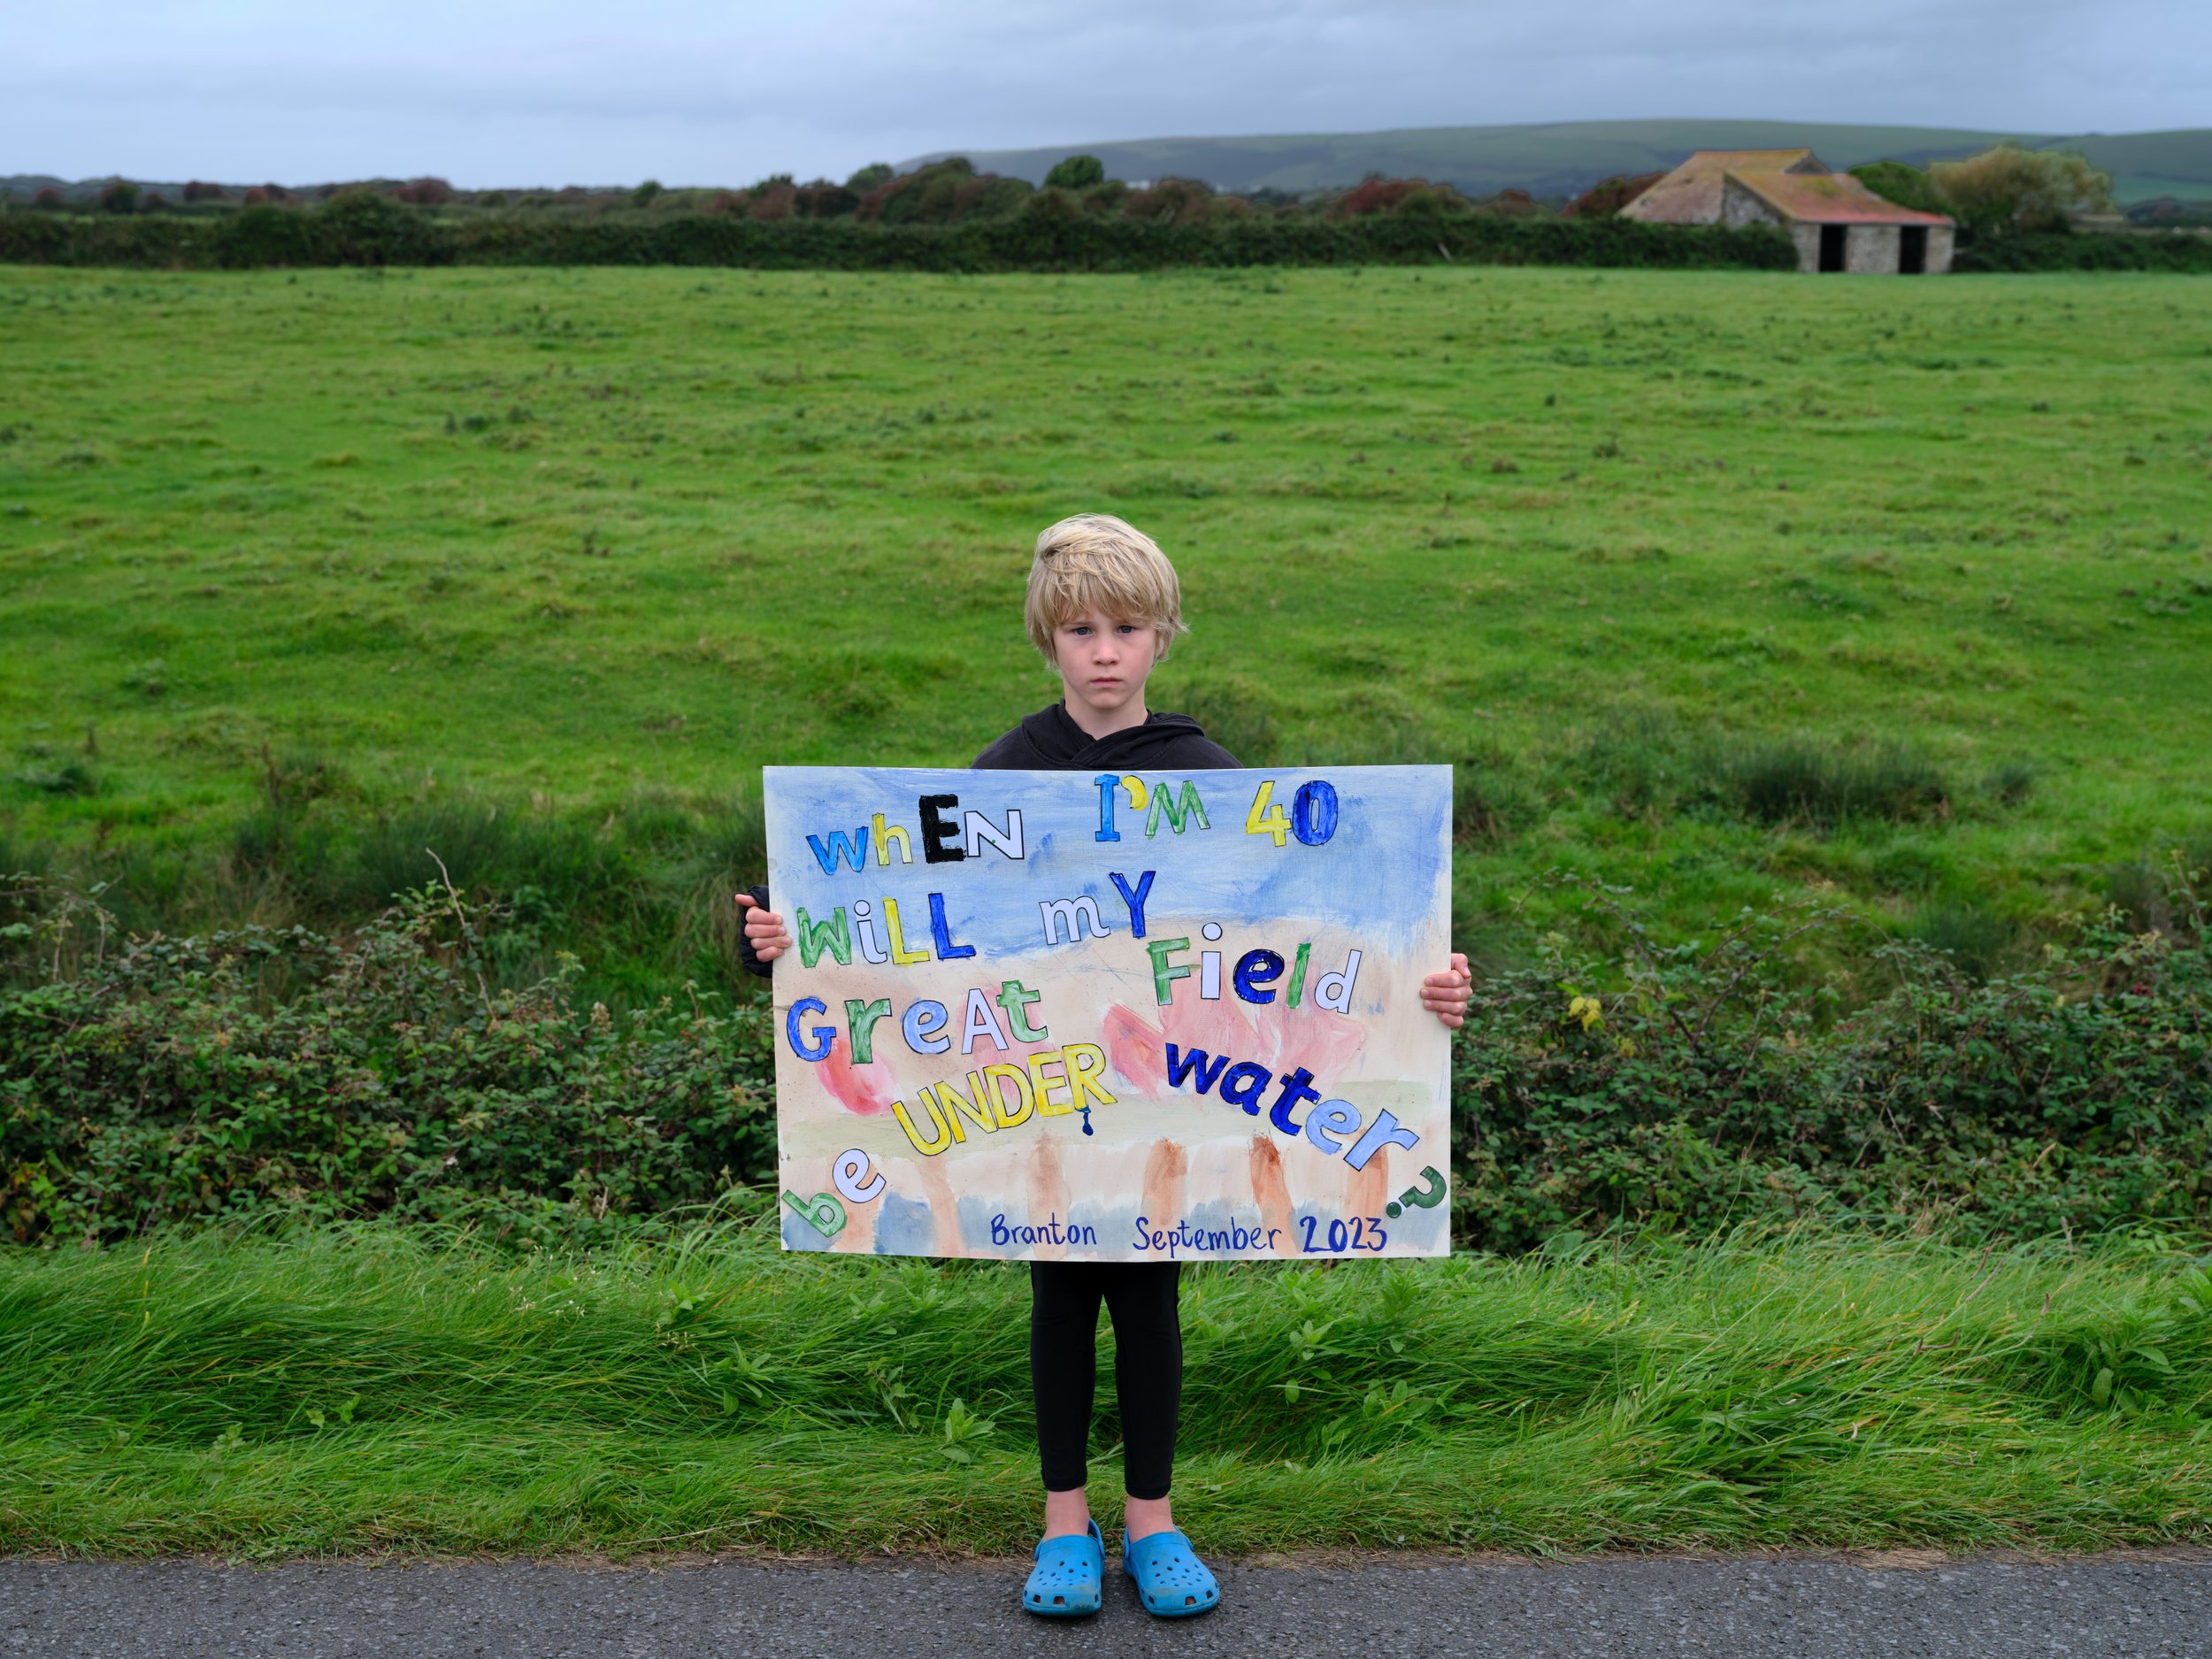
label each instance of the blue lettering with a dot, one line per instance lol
(947, 951)
(1294, 1090)
(1384, 1131)
(1245, 1082)
(1134, 901)
(920, 1025)
(1256, 969)
(1107, 782)
(1181, 1063)
(822, 1035)
(841, 849)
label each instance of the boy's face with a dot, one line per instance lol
(1104, 661)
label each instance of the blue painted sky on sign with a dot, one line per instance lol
(1379, 874)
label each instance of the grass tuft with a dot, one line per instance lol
(1799, 782)
(1980, 942)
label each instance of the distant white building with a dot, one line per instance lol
(1836, 223)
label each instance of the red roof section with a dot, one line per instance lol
(1691, 194)
(1829, 198)
(1795, 183)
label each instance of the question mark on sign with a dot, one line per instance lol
(851, 1176)
(1419, 1197)
(821, 1212)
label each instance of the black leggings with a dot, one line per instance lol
(1064, 1299)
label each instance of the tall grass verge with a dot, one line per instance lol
(379, 1388)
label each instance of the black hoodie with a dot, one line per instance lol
(1050, 741)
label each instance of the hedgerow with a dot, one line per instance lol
(2085, 250)
(1712, 1084)
(259, 1072)
(362, 228)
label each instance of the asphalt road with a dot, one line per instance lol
(2115, 1607)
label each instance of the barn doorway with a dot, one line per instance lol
(1912, 252)
(1831, 244)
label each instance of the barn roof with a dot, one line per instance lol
(1829, 198)
(1796, 183)
(1691, 194)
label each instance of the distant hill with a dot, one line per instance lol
(25, 185)
(1564, 158)
(1560, 159)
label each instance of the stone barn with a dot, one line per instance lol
(1836, 223)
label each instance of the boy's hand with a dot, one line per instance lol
(1444, 995)
(765, 932)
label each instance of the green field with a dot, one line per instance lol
(1728, 587)
(379, 1391)
(595, 544)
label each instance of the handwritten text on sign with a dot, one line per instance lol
(1121, 1017)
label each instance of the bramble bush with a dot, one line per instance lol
(1698, 1086)
(261, 1072)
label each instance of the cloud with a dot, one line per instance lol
(507, 93)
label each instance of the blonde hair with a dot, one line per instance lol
(1095, 562)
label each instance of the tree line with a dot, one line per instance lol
(2013, 206)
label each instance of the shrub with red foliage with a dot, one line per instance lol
(157, 202)
(120, 197)
(1609, 196)
(929, 196)
(1375, 193)
(256, 195)
(1511, 204)
(426, 192)
(824, 200)
(196, 191)
(942, 193)
(49, 197)
(277, 193)
(726, 201)
(771, 202)
(1171, 202)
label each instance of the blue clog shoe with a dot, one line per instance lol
(1171, 1581)
(1069, 1579)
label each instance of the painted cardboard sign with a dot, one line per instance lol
(1047, 1015)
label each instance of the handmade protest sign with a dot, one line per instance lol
(1049, 1016)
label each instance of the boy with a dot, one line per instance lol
(1103, 608)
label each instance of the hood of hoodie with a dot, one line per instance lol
(1050, 741)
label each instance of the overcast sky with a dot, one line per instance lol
(499, 92)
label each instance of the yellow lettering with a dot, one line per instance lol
(883, 833)
(900, 954)
(1084, 1062)
(955, 1103)
(996, 1078)
(1046, 1107)
(944, 1137)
